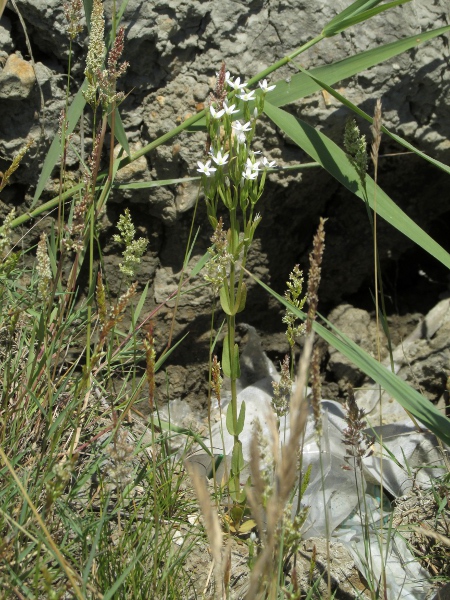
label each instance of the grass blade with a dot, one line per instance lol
(368, 118)
(335, 161)
(301, 85)
(54, 152)
(119, 131)
(409, 398)
(354, 9)
(139, 185)
(358, 17)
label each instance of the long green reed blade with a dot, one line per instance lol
(140, 304)
(119, 131)
(88, 12)
(118, 18)
(368, 118)
(139, 185)
(409, 398)
(335, 161)
(301, 85)
(54, 152)
(199, 265)
(355, 8)
(342, 24)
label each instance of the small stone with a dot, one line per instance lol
(17, 78)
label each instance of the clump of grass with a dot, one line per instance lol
(90, 503)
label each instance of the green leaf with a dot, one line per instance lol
(199, 265)
(237, 495)
(237, 366)
(119, 131)
(301, 85)
(237, 459)
(335, 161)
(88, 12)
(368, 118)
(357, 17)
(139, 306)
(226, 363)
(241, 298)
(149, 184)
(354, 9)
(241, 420)
(73, 115)
(421, 408)
(225, 301)
(229, 420)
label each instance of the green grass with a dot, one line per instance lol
(92, 501)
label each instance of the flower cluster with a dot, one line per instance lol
(232, 172)
(73, 11)
(294, 296)
(134, 249)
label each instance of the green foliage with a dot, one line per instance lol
(88, 507)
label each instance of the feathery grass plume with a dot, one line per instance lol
(213, 528)
(150, 360)
(314, 275)
(375, 128)
(282, 389)
(285, 476)
(43, 269)
(75, 231)
(355, 146)
(216, 379)
(316, 386)
(101, 298)
(116, 313)
(73, 11)
(107, 79)
(6, 233)
(216, 98)
(134, 249)
(354, 439)
(96, 52)
(293, 295)
(6, 176)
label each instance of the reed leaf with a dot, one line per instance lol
(419, 406)
(335, 161)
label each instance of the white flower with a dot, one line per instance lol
(216, 114)
(266, 88)
(247, 96)
(249, 174)
(236, 85)
(242, 128)
(241, 139)
(219, 159)
(268, 164)
(229, 110)
(252, 166)
(206, 168)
